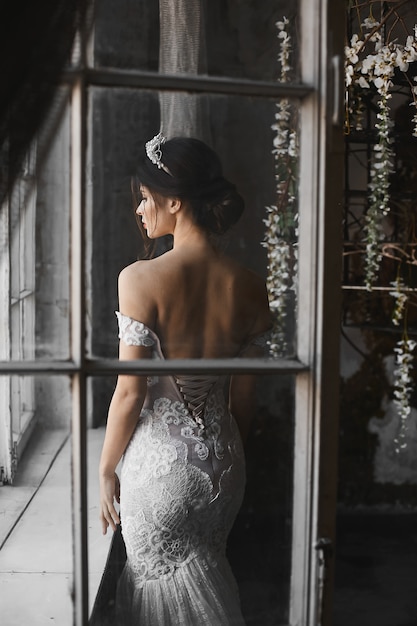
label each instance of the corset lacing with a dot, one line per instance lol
(195, 391)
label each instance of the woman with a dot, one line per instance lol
(183, 474)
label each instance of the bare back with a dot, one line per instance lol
(200, 303)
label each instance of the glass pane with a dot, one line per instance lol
(35, 505)
(98, 544)
(248, 137)
(260, 542)
(169, 465)
(34, 316)
(215, 37)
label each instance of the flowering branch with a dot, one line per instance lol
(281, 220)
(379, 184)
(374, 71)
(403, 387)
(404, 363)
(401, 300)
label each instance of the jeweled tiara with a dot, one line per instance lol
(154, 151)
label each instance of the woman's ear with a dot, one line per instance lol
(175, 204)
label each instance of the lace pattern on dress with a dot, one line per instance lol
(174, 510)
(132, 332)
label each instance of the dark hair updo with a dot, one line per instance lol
(195, 176)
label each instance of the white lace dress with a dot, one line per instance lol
(182, 483)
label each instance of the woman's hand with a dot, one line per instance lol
(109, 493)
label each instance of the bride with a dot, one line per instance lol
(183, 471)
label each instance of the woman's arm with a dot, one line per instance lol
(123, 416)
(129, 395)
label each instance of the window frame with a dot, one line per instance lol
(310, 367)
(22, 301)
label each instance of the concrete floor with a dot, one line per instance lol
(36, 558)
(376, 556)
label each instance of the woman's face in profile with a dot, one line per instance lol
(148, 213)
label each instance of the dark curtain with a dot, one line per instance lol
(36, 39)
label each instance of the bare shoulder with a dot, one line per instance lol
(151, 277)
(133, 271)
(142, 272)
(136, 290)
(132, 277)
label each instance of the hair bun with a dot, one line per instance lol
(223, 206)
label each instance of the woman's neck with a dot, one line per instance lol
(188, 235)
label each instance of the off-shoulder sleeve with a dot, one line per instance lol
(134, 333)
(261, 342)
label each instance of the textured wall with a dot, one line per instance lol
(53, 401)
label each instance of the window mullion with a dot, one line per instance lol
(303, 583)
(112, 367)
(136, 79)
(79, 418)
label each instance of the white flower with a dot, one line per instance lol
(350, 54)
(379, 82)
(414, 121)
(349, 75)
(282, 24)
(370, 22)
(362, 82)
(401, 60)
(410, 49)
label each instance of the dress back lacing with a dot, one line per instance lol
(195, 391)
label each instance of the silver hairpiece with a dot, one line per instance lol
(154, 152)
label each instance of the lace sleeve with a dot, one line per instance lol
(132, 332)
